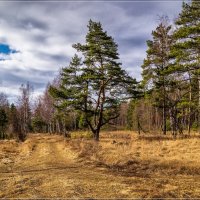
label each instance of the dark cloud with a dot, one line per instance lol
(40, 38)
(31, 23)
(133, 42)
(137, 8)
(61, 59)
(36, 77)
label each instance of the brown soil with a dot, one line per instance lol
(49, 166)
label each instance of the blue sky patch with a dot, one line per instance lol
(5, 49)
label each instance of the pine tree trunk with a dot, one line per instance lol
(96, 134)
(199, 108)
(58, 127)
(171, 120)
(138, 125)
(164, 119)
(189, 109)
(64, 127)
(164, 109)
(74, 122)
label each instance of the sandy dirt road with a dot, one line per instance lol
(44, 166)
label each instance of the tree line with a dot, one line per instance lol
(95, 92)
(171, 75)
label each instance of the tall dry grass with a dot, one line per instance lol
(153, 166)
(156, 154)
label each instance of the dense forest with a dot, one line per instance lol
(94, 92)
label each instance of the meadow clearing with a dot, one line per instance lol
(121, 165)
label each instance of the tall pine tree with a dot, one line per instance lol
(97, 84)
(155, 66)
(186, 52)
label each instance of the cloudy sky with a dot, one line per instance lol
(36, 37)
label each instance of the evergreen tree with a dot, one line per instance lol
(3, 123)
(96, 85)
(155, 66)
(186, 53)
(38, 123)
(13, 120)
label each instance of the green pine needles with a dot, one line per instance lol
(95, 83)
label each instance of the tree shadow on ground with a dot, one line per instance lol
(165, 138)
(148, 169)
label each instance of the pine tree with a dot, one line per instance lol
(3, 123)
(38, 122)
(97, 85)
(155, 66)
(14, 120)
(186, 53)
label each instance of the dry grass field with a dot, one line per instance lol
(121, 165)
